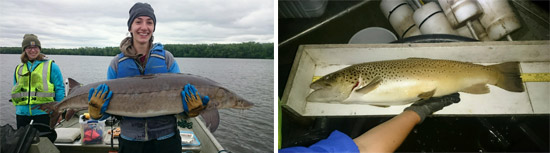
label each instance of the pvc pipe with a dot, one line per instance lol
(477, 28)
(431, 20)
(446, 7)
(399, 13)
(498, 18)
(464, 10)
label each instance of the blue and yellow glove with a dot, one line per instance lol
(98, 100)
(192, 101)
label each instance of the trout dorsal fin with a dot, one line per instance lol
(373, 84)
(73, 84)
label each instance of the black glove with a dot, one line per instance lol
(428, 107)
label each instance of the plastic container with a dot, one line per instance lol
(302, 8)
(188, 138)
(373, 35)
(91, 131)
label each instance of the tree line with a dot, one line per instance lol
(236, 50)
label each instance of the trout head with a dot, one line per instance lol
(331, 87)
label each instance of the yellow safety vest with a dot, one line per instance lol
(34, 87)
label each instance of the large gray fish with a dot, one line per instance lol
(151, 95)
(398, 82)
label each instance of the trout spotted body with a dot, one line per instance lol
(397, 82)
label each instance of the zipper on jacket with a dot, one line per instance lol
(29, 91)
(142, 68)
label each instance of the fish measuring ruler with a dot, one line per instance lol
(535, 77)
(526, 77)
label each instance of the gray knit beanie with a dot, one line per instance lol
(141, 9)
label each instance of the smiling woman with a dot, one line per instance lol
(140, 56)
(37, 80)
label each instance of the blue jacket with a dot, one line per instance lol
(337, 142)
(155, 63)
(56, 78)
(144, 129)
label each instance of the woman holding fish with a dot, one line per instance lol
(140, 56)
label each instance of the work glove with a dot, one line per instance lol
(429, 106)
(98, 100)
(192, 101)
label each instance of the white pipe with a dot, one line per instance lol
(399, 13)
(431, 20)
(498, 18)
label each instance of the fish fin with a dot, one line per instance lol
(373, 84)
(70, 113)
(211, 117)
(477, 89)
(383, 106)
(47, 107)
(426, 95)
(509, 78)
(73, 84)
(50, 108)
(54, 119)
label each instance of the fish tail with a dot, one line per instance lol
(509, 76)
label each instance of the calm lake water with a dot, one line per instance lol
(247, 131)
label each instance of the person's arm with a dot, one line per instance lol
(111, 73)
(174, 68)
(387, 136)
(57, 79)
(171, 63)
(15, 76)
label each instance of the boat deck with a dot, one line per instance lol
(208, 142)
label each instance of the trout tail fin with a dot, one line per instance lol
(509, 77)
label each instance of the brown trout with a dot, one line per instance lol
(399, 82)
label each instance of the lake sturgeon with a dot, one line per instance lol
(151, 95)
(398, 82)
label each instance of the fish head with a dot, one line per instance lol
(332, 87)
(242, 103)
(227, 99)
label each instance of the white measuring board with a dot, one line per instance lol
(318, 60)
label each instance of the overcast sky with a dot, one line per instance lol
(100, 23)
